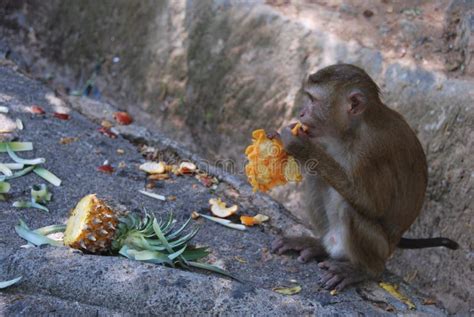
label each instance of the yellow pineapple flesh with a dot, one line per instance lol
(91, 226)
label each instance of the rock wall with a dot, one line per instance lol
(209, 72)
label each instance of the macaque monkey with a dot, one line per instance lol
(366, 177)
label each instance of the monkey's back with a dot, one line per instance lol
(396, 174)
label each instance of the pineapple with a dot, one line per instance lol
(94, 227)
(91, 226)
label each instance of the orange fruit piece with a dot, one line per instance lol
(269, 165)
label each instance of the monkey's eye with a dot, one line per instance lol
(310, 97)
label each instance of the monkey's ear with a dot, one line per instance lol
(357, 102)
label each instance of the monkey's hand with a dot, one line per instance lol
(299, 146)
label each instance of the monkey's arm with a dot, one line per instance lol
(317, 161)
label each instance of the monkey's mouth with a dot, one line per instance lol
(308, 128)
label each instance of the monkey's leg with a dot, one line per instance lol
(358, 255)
(307, 247)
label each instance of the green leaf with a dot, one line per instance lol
(184, 239)
(20, 160)
(47, 175)
(174, 255)
(33, 237)
(168, 224)
(16, 146)
(195, 254)
(178, 232)
(212, 268)
(5, 284)
(144, 255)
(160, 236)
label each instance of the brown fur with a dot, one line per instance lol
(369, 184)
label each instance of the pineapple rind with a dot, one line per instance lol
(91, 226)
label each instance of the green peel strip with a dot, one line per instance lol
(40, 194)
(5, 284)
(4, 187)
(50, 229)
(17, 159)
(33, 237)
(225, 222)
(16, 146)
(47, 175)
(29, 204)
(14, 166)
(5, 170)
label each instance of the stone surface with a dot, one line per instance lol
(209, 72)
(61, 282)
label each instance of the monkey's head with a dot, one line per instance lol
(337, 98)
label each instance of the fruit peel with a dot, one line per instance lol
(220, 209)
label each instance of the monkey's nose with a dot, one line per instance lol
(302, 113)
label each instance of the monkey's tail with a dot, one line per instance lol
(427, 243)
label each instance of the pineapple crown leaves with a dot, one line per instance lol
(150, 240)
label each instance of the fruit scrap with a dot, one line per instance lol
(297, 127)
(287, 290)
(37, 110)
(123, 118)
(4, 187)
(153, 167)
(206, 179)
(393, 290)
(107, 132)
(106, 168)
(187, 168)
(158, 177)
(61, 116)
(219, 208)
(67, 140)
(106, 124)
(40, 194)
(250, 221)
(269, 165)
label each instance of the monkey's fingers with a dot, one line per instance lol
(348, 281)
(273, 135)
(311, 253)
(324, 277)
(333, 281)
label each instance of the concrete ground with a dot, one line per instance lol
(57, 281)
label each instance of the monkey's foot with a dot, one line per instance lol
(340, 274)
(307, 247)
